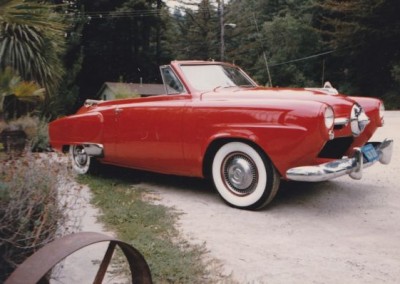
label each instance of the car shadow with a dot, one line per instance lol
(166, 181)
(291, 194)
(339, 196)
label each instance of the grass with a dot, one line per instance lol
(147, 227)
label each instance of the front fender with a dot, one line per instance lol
(289, 138)
(283, 144)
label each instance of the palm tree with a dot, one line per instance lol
(32, 41)
(30, 93)
(8, 80)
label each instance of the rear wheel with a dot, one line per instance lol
(81, 161)
(244, 177)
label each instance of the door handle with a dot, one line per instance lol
(118, 110)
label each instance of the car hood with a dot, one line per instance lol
(340, 103)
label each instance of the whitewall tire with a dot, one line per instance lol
(244, 177)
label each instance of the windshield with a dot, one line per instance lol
(209, 77)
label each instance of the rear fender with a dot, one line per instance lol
(76, 129)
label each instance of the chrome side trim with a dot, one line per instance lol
(352, 166)
(94, 150)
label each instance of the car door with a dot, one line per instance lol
(149, 134)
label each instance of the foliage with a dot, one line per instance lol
(396, 73)
(28, 91)
(31, 213)
(354, 44)
(35, 129)
(366, 37)
(3, 125)
(32, 41)
(198, 27)
(242, 44)
(288, 38)
(148, 227)
(8, 80)
(125, 93)
(26, 124)
(18, 97)
(122, 39)
(66, 99)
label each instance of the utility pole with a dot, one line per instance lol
(221, 20)
(263, 50)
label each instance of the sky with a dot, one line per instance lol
(173, 3)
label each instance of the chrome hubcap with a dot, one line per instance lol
(239, 173)
(80, 156)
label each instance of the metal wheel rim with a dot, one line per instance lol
(80, 156)
(239, 173)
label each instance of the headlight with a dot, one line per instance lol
(358, 120)
(329, 117)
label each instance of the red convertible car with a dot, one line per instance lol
(215, 122)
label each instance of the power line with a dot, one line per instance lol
(158, 12)
(128, 14)
(303, 58)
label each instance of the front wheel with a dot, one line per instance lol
(244, 177)
(81, 161)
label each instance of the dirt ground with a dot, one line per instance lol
(341, 231)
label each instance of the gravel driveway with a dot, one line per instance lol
(341, 231)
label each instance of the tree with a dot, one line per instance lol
(243, 45)
(274, 34)
(289, 42)
(8, 80)
(366, 36)
(32, 41)
(66, 100)
(122, 41)
(198, 32)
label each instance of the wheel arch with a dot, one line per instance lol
(65, 148)
(218, 143)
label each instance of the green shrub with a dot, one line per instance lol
(36, 133)
(392, 101)
(31, 213)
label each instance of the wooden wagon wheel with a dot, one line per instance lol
(35, 267)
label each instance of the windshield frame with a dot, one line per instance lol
(172, 83)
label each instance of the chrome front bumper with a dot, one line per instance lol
(350, 166)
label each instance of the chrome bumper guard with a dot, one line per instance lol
(352, 166)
